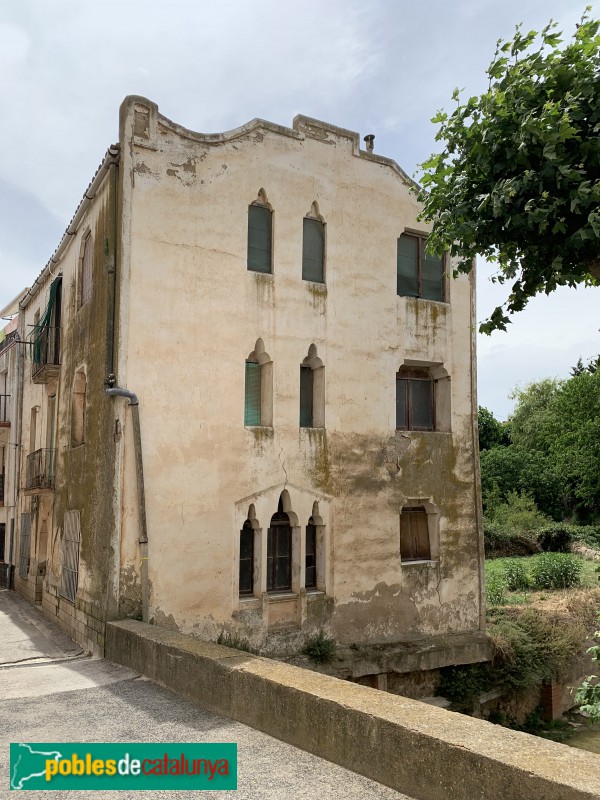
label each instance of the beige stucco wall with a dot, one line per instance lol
(190, 314)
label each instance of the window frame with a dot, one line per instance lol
(279, 522)
(248, 421)
(246, 562)
(262, 270)
(408, 377)
(313, 222)
(416, 554)
(421, 240)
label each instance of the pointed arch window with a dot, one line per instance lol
(279, 552)
(313, 246)
(260, 235)
(312, 391)
(310, 579)
(247, 559)
(258, 388)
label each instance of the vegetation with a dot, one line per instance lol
(236, 641)
(588, 694)
(517, 180)
(557, 571)
(320, 648)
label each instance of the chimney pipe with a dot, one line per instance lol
(369, 139)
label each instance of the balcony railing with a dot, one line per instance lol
(40, 469)
(45, 353)
(4, 410)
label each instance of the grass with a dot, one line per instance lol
(496, 567)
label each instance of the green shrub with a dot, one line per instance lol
(588, 534)
(495, 590)
(556, 537)
(556, 571)
(516, 576)
(320, 648)
(517, 513)
(236, 641)
(499, 541)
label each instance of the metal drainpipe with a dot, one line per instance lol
(115, 391)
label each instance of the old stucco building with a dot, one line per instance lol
(306, 382)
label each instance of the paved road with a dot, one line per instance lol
(50, 692)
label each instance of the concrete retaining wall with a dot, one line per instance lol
(423, 751)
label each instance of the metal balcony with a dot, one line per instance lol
(45, 353)
(40, 470)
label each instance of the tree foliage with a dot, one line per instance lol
(491, 432)
(518, 180)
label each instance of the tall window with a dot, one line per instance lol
(313, 250)
(252, 414)
(247, 558)
(312, 391)
(415, 401)
(419, 274)
(306, 397)
(258, 388)
(85, 270)
(310, 580)
(279, 552)
(78, 409)
(414, 535)
(70, 555)
(260, 235)
(25, 545)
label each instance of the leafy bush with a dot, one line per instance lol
(516, 576)
(557, 571)
(320, 648)
(517, 513)
(500, 542)
(495, 590)
(588, 534)
(588, 694)
(556, 537)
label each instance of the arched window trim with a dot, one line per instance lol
(258, 389)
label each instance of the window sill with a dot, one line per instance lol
(280, 597)
(424, 299)
(413, 430)
(249, 601)
(424, 562)
(313, 594)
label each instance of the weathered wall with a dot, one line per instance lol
(425, 752)
(191, 313)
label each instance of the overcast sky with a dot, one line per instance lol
(375, 66)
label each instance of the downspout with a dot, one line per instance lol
(115, 391)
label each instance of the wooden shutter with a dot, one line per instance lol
(414, 535)
(432, 275)
(408, 266)
(313, 251)
(306, 397)
(252, 415)
(70, 555)
(259, 238)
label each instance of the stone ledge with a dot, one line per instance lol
(423, 751)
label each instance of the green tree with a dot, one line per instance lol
(491, 432)
(518, 179)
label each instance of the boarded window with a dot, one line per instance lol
(419, 273)
(85, 271)
(70, 555)
(252, 414)
(279, 552)
(306, 397)
(24, 545)
(415, 401)
(260, 223)
(313, 251)
(310, 580)
(414, 535)
(247, 558)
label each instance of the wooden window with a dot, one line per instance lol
(85, 270)
(415, 410)
(414, 535)
(252, 401)
(260, 236)
(313, 251)
(279, 552)
(306, 397)
(310, 580)
(419, 274)
(247, 558)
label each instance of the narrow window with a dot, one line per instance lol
(419, 273)
(85, 270)
(311, 555)
(252, 415)
(247, 559)
(260, 237)
(313, 250)
(24, 545)
(414, 535)
(78, 409)
(279, 552)
(306, 397)
(415, 400)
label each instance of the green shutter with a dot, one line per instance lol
(313, 250)
(259, 238)
(306, 397)
(408, 266)
(432, 275)
(252, 396)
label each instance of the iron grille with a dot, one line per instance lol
(70, 555)
(40, 469)
(24, 545)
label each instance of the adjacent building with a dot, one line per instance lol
(249, 401)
